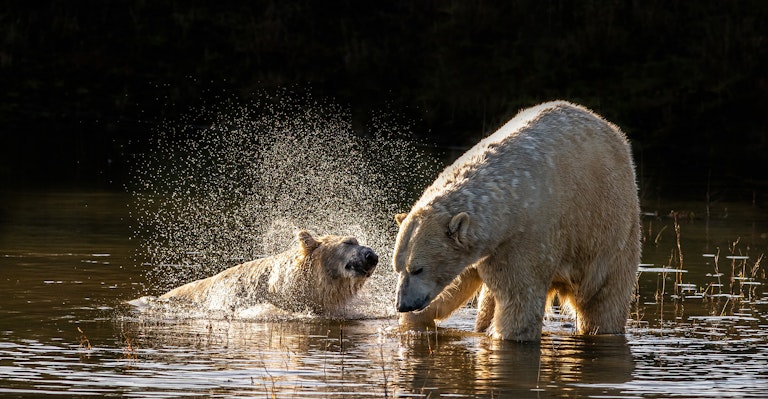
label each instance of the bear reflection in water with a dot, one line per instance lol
(498, 368)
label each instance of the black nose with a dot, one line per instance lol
(371, 259)
(403, 308)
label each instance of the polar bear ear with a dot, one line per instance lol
(400, 217)
(458, 227)
(308, 243)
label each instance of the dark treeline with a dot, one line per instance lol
(687, 80)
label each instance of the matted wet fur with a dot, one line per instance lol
(547, 204)
(321, 275)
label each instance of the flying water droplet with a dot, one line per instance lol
(209, 196)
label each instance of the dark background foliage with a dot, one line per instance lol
(85, 83)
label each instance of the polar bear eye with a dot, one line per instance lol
(417, 271)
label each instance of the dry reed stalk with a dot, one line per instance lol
(753, 275)
(129, 350)
(84, 342)
(638, 315)
(732, 249)
(325, 355)
(660, 297)
(384, 370)
(717, 272)
(341, 348)
(679, 277)
(271, 392)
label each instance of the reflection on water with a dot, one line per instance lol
(66, 262)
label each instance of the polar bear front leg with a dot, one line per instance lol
(485, 309)
(519, 292)
(605, 308)
(518, 318)
(454, 296)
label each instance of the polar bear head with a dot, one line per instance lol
(431, 249)
(331, 270)
(338, 257)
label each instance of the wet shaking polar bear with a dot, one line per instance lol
(321, 275)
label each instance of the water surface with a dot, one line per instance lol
(68, 262)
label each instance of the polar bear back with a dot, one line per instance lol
(556, 163)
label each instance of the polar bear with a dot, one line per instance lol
(546, 205)
(321, 275)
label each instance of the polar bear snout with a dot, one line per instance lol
(410, 299)
(370, 257)
(365, 263)
(409, 305)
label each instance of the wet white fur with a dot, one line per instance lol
(552, 207)
(309, 277)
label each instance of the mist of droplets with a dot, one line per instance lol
(210, 196)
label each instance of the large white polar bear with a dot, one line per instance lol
(546, 205)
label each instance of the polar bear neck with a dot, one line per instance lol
(297, 284)
(287, 278)
(325, 290)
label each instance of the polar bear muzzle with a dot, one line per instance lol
(364, 263)
(411, 296)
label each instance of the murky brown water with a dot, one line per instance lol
(67, 263)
